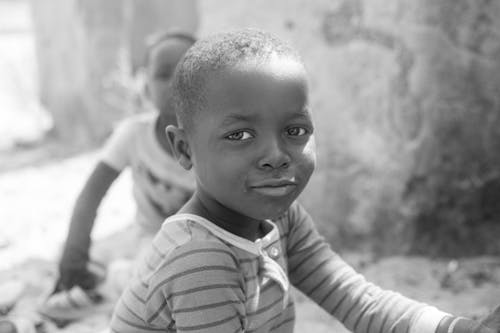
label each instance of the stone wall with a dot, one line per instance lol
(405, 96)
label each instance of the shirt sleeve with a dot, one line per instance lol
(361, 306)
(202, 287)
(116, 150)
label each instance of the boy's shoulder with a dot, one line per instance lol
(182, 247)
(180, 233)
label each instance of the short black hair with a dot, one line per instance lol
(215, 53)
(155, 40)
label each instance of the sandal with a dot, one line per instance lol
(74, 304)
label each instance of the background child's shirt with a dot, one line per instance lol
(161, 185)
(198, 277)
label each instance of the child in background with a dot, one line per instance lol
(226, 261)
(160, 185)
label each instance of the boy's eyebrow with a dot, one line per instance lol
(236, 117)
(302, 113)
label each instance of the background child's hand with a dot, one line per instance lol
(86, 275)
(76, 277)
(73, 271)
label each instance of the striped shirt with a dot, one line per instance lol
(200, 278)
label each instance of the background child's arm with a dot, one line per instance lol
(114, 158)
(72, 266)
(361, 306)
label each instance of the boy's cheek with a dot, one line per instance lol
(305, 168)
(310, 154)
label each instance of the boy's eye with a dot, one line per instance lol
(296, 131)
(239, 136)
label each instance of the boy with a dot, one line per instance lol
(161, 186)
(226, 261)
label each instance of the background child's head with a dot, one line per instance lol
(242, 104)
(163, 53)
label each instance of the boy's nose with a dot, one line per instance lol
(274, 157)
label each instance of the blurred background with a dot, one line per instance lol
(406, 100)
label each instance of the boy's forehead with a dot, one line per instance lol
(251, 78)
(280, 68)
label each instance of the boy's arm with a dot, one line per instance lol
(490, 324)
(361, 306)
(72, 266)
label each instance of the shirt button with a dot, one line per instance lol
(273, 252)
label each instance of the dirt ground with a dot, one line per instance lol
(36, 201)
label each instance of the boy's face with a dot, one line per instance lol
(161, 66)
(252, 147)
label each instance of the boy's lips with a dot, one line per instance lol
(274, 187)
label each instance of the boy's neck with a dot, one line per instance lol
(240, 225)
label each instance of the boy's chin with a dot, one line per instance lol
(270, 213)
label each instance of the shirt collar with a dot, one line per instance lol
(255, 247)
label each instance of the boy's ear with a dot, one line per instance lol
(180, 146)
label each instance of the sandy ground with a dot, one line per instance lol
(35, 204)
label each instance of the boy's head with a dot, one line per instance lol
(163, 52)
(245, 124)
